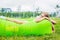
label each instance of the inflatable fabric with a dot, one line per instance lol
(8, 28)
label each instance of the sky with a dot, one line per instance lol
(30, 5)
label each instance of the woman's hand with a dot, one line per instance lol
(53, 22)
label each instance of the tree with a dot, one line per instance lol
(57, 9)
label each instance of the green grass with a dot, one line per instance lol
(29, 28)
(53, 36)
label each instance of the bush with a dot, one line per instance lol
(20, 14)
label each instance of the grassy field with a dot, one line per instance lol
(54, 36)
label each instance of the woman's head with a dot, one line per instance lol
(45, 14)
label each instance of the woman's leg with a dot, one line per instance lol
(13, 20)
(16, 21)
(53, 29)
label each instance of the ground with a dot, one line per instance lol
(53, 36)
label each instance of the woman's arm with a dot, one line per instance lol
(40, 19)
(53, 22)
(14, 20)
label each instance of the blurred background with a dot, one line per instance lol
(29, 8)
(22, 9)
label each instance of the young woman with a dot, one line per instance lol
(43, 16)
(39, 18)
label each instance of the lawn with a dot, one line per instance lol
(53, 36)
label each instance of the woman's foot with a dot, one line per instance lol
(2, 17)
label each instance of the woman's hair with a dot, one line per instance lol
(45, 14)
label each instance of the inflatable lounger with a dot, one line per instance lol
(8, 28)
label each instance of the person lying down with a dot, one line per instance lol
(39, 18)
(43, 16)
